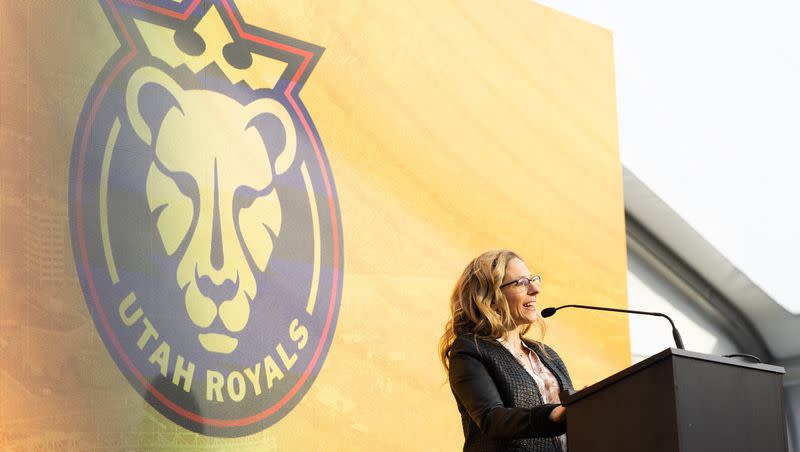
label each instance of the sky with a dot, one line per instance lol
(708, 95)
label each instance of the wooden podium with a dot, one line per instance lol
(681, 401)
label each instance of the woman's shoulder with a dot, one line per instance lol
(549, 351)
(532, 343)
(471, 343)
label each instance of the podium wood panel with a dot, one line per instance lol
(681, 401)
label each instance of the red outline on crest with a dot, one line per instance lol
(84, 142)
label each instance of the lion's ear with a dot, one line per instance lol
(144, 76)
(263, 108)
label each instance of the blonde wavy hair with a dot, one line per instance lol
(478, 306)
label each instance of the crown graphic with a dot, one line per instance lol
(209, 42)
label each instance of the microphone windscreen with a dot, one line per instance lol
(547, 312)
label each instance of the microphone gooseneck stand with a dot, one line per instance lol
(547, 312)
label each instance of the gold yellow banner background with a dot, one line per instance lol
(451, 127)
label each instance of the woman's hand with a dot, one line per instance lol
(559, 414)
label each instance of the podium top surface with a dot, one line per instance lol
(666, 354)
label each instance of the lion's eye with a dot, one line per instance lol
(173, 209)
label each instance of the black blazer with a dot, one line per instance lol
(500, 404)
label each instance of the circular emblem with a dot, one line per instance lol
(205, 223)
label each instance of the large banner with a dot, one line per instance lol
(236, 224)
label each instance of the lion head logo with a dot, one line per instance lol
(213, 191)
(205, 222)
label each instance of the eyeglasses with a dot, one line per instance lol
(525, 282)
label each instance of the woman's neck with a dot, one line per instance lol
(514, 339)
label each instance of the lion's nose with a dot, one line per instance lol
(225, 290)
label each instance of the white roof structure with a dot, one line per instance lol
(762, 326)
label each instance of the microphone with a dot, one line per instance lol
(547, 312)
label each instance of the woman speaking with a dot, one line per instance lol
(506, 386)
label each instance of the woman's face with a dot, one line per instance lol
(521, 298)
